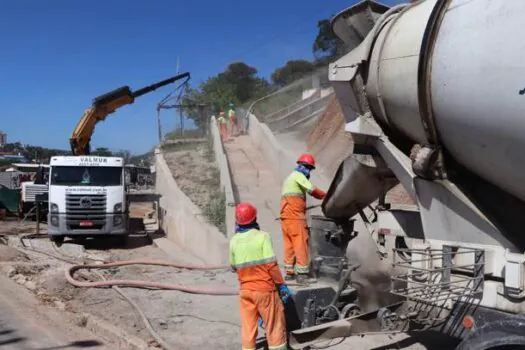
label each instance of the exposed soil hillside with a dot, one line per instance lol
(193, 167)
(331, 145)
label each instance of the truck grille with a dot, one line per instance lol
(82, 207)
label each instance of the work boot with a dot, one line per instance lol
(289, 277)
(304, 279)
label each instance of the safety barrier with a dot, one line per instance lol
(182, 221)
(312, 109)
(226, 179)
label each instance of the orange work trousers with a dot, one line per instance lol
(269, 307)
(224, 132)
(295, 236)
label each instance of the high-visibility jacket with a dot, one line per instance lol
(294, 190)
(231, 113)
(222, 120)
(253, 258)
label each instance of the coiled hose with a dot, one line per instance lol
(148, 284)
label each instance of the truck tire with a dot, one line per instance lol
(120, 240)
(58, 240)
(505, 334)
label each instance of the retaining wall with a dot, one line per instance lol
(226, 179)
(182, 220)
(282, 160)
(263, 139)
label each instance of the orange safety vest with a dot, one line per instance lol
(252, 256)
(293, 200)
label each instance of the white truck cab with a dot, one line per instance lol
(87, 197)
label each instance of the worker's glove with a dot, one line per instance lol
(284, 292)
(260, 323)
(317, 193)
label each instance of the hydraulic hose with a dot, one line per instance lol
(148, 284)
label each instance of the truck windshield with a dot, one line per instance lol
(86, 176)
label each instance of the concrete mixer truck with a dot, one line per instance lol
(433, 95)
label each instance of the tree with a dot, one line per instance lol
(124, 154)
(327, 46)
(101, 152)
(291, 71)
(237, 84)
(243, 79)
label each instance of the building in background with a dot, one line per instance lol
(3, 138)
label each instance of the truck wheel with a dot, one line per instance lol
(505, 334)
(120, 240)
(58, 240)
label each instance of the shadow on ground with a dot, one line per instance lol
(8, 337)
(81, 344)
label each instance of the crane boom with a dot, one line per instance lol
(106, 104)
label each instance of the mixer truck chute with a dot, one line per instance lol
(431, 96)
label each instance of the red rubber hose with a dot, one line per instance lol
(148, 284)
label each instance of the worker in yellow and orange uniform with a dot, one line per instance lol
(234, 121)
(223, 126)
(262, 285)
(293, 218)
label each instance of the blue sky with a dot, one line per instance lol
(57, 55)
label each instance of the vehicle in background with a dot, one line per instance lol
(29, 189)
(87, 197)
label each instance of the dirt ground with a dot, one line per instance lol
(179, 318)
(27, 324)
(331, 145)
(196, 174)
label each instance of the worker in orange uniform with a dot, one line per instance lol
(293, 218)
(234, 121)
(262, 285)
(222, 126)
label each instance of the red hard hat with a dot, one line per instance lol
(245, 213)
(307, 159)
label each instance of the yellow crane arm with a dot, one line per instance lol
(105, 105)
(81, 137)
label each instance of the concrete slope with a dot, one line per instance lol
(254, 181)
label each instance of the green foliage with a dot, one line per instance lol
(185, 134)
(237, 84)
(101, 152)
(5, 162)
(37, 153)
(215, 211)
(291, 71)
(125, 154)
(145, 159)
(327, 46)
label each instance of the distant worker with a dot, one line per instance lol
(261, 283)
(234, 121)
(222, 126)
(293, 218)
